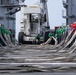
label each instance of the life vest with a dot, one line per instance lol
(73, 25)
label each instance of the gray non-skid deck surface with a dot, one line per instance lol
(39, 73)
(34, 58)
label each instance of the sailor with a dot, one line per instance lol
(59, 33)
(68, 29)
(10, 32)
(64, 29)
(6, 31)
(73, 26)
(51, 40)
(50, 35)
(2, 29)
(37, 38)
(2, 32)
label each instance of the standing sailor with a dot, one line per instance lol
(59, 33)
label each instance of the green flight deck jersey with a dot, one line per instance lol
(6, 31)
(2, 30)
(59, 32)
(64, 29)
(37, 37)
(50, 34)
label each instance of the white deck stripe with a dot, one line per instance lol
(42, 64)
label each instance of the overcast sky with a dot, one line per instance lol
(55, 8)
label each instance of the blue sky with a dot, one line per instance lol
(55, 8)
